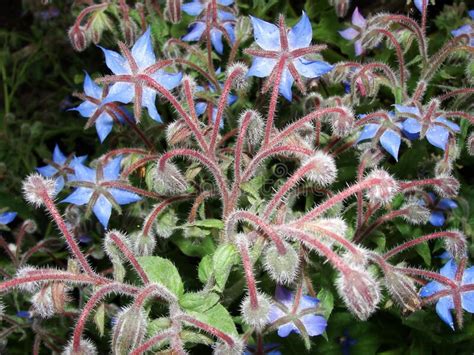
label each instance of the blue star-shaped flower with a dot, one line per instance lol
(133, 63)
(446, 303)
(61, 168)
(220, 19)
(437, 130)
(101, 114)
(292, 46)
(90, 190)
(359, 25)
(7, 217)
(438, 208)
(387, 134)
(314, 324)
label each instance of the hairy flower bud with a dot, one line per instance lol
(129, 31)
(281, 268)
(402, 289)
(256, 317)
(86, 347)
(129, 330)
(443, 167)
(360, 292)
(255, 127)
(143, 245)
(447, 186)
(30, 226)
(384, 191)
(165, 224)
(456, 246)
(357, 258)
(323, 170)
(342, 123)
(100, 22)
(173, 11)
(470, 144)
(169, 180)
(78, 37)
(25, 271)
(178, 134)
(43, 302)
(111, 248)
(415, 212)
(240, 81)
(36, 187)
(322, 226)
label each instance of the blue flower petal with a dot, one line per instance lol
(468, 276)
(437, 218)
(408, 110)
(195, 31)
(120, 92)
(349, 33)
(7, 217)
(200, 108)
(463, 30)
(91, 88)
(102, 209)
(391, 140)
(368, 132)
(437, 136)
(266, 35)
(58, 156)
(86, 109)
(59, 184)
(447, 203)
(83, 173)
(193, 8)
(315, 325)
(307, 302)
(357, 19)
(168, 80)
(467, 301)
(358, 49)
(216, 39)
(450, 124)
(148, 101)
(261, 67)
(284, 296)
(285, 329)
(103, 125)
(123, 197)
(443, 309)
(229, 27)
(225, 2)
(449, 270)
(79, 197)
(431, 288)
(419, 4)
(112, 169)
(301, 34)
(47, 170)
(225, 16)
(116, 62)
(411, 126)
(142, 50)
(286, 82)
(312, 69)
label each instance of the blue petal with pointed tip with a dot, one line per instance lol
(312, 69)
(300, 35)
(391, 140)
(286, 82)
(437, 218)
(266, 35)
(7, 217)
(102, 210)
(142, 50)
(368, 132)
(261, 67)
(115, 62)
(193, 8)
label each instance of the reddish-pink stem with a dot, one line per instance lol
(130, 257)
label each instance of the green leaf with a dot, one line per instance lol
(218, 317)
(326, 300)
(205, 268)
(198, 302)
(209, 223)
(162, 271)
(424, 251)
(195, 247)
(99, 318)
(222, 261)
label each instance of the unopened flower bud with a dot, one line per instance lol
(100, 22)
(443, 167)
(415, 212)
(360, 292)
(143, 245)
(26, 271)
(169, 180)
(129, 31)
(78, 37)
(383, 191)
(258, 316)
(341, 7)
(447, 186)
(255, 127)
(402, 289)
(129, 330)
(240, 80)
(323, 171)
(322, 226)
(456, 245)
(282, 268)
(178, 134)
(30, 226)
(173, 10)
(342, 123)
(111, 248)
(86, 347)
(43, 302)
(36, 188)
(357, 257)
(165, 224)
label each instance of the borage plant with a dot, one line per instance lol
(218, 164)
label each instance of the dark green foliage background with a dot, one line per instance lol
(39, 71)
